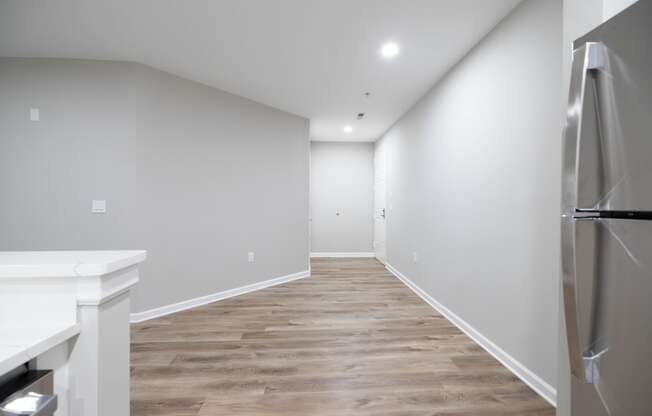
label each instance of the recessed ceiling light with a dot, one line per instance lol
(348, 129)
(389, 50)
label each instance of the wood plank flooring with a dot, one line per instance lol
(350, 340)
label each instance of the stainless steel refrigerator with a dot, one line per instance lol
(607, 217)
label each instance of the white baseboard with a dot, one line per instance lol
(203, 300)
(342, 255)
(537, 384)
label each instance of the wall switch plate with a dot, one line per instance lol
(415, 257)
(250, 257)
(34, 114)
(98, 206)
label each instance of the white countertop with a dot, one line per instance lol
(66, 263)
(19, 345)
(38, 312)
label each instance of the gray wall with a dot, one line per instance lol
(342, 180)
(474, 176)
(194, 175)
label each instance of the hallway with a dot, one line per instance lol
(349, 340)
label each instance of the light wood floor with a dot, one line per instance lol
(350, 340)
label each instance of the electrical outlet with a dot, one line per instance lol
(34, 114)
(415, 257)
(250, 257)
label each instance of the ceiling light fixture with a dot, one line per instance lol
(348, 129)
(389, 50)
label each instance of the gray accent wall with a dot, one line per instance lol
(194, 175)
(342, 181)
(474, 187)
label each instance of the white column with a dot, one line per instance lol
(99, 359)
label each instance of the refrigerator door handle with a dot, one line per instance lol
(589, 57)
(570, 297)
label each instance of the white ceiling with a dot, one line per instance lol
(314, 58)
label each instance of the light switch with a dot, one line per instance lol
(250, 257)
(34, 114)
(98, 206)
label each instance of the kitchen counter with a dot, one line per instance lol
(66, 263)
(69, 311)
(23, 344)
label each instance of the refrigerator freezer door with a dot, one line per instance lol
(614, 154)
(615, 317)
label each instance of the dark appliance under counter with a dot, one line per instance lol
(25, 392)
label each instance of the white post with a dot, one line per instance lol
(99, 360)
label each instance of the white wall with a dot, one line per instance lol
(613, 7)
(194, 175)
(342, 180)
(474, 177)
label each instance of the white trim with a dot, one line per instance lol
(203, 300)
(544, 389)
(342, 255)
(96, 290)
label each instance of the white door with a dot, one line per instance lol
(380, 211)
